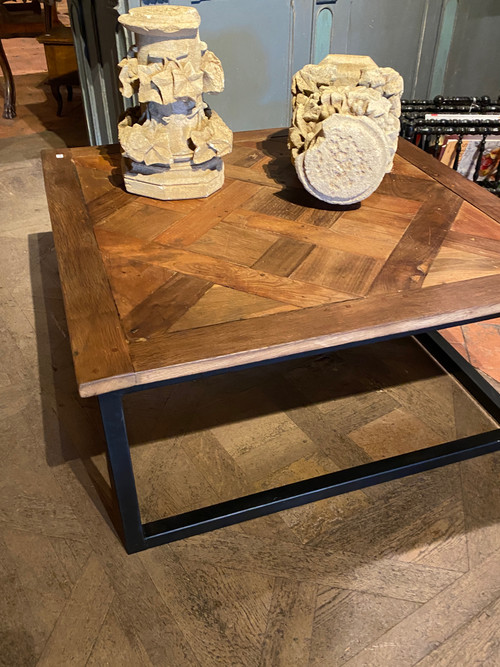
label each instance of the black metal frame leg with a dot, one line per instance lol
(121, 471)
(138, 536)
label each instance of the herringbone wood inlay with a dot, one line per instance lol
(260, 269)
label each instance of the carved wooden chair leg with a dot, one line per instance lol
(9, 107)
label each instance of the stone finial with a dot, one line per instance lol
(172, 142)
(345, 126)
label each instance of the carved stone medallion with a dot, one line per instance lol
(345, 126)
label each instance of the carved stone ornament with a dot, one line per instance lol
(172, 142)
(345, 126)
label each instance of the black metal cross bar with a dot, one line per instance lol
(138, 536)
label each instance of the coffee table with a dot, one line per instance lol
(163, 292)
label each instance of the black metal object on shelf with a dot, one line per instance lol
(429, 133)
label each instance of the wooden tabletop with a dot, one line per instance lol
(259, 270)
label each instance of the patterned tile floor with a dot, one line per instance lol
(479, 343)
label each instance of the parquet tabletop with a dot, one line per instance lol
(163, 289)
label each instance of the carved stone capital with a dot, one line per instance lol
(172, 143)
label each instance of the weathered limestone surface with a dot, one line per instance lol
(172, 141)
(345, 126)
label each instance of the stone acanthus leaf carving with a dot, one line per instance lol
(168, 80)
(344, 86)
(212, 138)
(146, 142)
(173, 142)
(213, 74)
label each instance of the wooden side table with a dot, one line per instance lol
(61, 62)
(290, 276)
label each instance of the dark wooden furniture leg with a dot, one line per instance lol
(47, 16)
(9, 107)
(54, 86)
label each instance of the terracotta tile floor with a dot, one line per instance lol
(479, 343)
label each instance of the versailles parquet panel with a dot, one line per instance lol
(260, 269)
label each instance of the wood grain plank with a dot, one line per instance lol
(277, 165)
(32, 595)
(397, 432)
(334, 238)
(138, 606)
(477, 642)
(222, 304)
(481, 509)
(408, 641)
(287, 640)
(476, 245)
(222, 272)
(453, 264)
(380, 217)
(132, 282)
(229, 481)
(339, 270)
(387, 203)
(261, 178)
(283, 257)
(180, 205)
(476, 195)
(256, 136)
(403, 167)
(160, 310)
(346, 570)
(277, 204)
(223, 611)
(346, 621)
(97, 341)
(95, 177)
(193, 225)
(106, 152)
(405, 187)
(107, 203)
(470, 220)
(243, 156)
(321, 217)
(330, 436)
(113, 646)
(74, 633)
(139, 220)
(185, 353)
(412, 258)
(241, 245)
(100, 158)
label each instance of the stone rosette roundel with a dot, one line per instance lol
(345, 126)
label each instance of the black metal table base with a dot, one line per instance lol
(138, 536)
